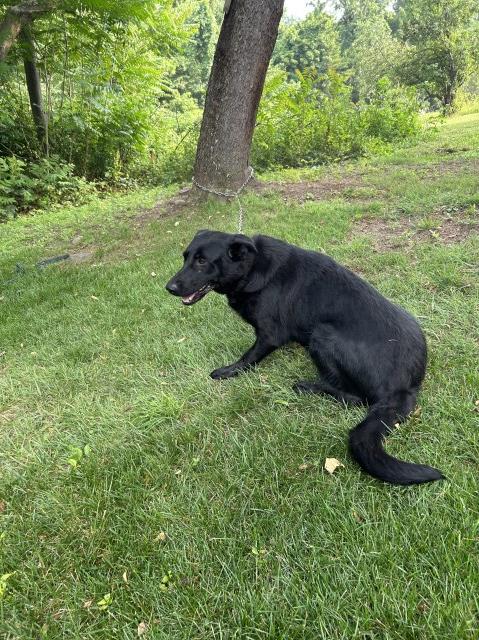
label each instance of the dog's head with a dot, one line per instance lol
(214, 261)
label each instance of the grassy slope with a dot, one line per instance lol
(257, 547)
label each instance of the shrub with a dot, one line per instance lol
(37, 185)
(392, 113)
(313, 120)
(170, 144)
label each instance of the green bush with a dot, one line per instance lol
(170, 143)
(37, 185)
(313, 120)
(392, 113)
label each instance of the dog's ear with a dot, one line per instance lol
(240, 246)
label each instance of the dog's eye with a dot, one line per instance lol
(201, 260)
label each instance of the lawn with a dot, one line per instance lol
(139, 497)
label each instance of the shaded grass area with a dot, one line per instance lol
(217, 490)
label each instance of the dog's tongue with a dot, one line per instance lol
(196, 295)
(189, 299)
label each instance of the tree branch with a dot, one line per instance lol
(18, 17)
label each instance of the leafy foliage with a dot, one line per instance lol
(313, 120)
(310, 44)
(370, 51)
(192, 71)
(443, 40)
(104, 69)
(37, 185)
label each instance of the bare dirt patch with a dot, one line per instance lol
(311, 190)
(452, 149)
(175, 205)
(450, 166)
(446, 225)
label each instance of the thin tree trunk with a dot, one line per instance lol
(16, 18)
(34, 87)
(247, 38)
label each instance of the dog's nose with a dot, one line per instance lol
(172, 287)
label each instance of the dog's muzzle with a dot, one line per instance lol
(191, 298)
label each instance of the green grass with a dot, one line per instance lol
(258, 546)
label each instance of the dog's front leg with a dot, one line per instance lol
(261, 348)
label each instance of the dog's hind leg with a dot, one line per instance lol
(261, 348)
(305, 386)
(324, 349)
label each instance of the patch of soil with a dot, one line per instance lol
(444, 225)
(452, 149)
(305, 191)
(167, 208)
(311, 190)
(452, 166)
(81, 256)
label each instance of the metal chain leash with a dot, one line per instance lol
(230, 194)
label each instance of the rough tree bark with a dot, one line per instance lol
(16, 18)
(247, 38)
(32, 78)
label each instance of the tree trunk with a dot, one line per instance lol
(34, 87)
(450, 88)
(10, 27)
(243, 52)
(16, 18)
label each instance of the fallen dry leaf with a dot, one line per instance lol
(3, 506)
(142, 628)
(423, 607)
(161, 537)
(304, 466)
(58, 614)
(182, 339)
(331, 464)
(87, 604)
(125, 577)
(153, 274)
(94, 297)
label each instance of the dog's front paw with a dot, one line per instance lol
(225, 372)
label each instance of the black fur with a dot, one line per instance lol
(367, 349)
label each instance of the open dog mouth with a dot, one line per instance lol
(197, 295)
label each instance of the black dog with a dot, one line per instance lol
(367, 349)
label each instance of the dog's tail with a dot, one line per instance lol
(366, 447)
